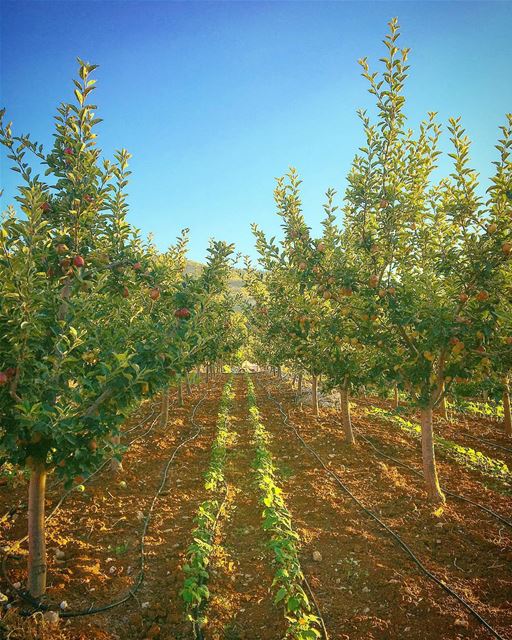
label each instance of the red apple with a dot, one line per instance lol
(482, 296)
(45, 206)
(3, 378)
(79, 262)
(126, 292)
(154, 293)
(68, 151)
(137, 266)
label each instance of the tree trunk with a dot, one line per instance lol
(293, 380)
(434, 492)
(279, 373)
(443, 409)
(187, 380)
(507, 418)
(207, 374)
(164, 409)
(395, 396)
(180, 393)
(36, 584)
(299, 386)
(345, 416)
(116, 466)
(314, 390)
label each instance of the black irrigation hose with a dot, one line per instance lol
(492, 513)
(488, 442)
(495, 445)
(138, 582)
(12, 510)
(89, 477)
(317, 607)
(390, 531)
(420, 475)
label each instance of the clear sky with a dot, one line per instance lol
(215, 99)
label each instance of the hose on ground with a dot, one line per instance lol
(401, 544)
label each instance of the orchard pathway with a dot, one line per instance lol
(241, 605)
(366, 588)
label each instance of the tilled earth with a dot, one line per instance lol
(364, 584)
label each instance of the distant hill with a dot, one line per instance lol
(235, 282)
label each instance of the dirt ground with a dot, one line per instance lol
(364, 584)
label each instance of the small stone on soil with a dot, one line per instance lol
(52, 617)
(461, 623)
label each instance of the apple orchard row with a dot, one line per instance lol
(409, 286)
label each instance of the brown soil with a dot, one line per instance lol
(465, 430)
(365, 586)
(389, 597)
(242, 577)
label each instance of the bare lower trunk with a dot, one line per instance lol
(207, 374)
(187, 380)
(429, 460)
(116, 466)
(293, 381)
(36, 584)
(180, 393)
(164, 409)
(507, 418)
(315, 395)
(299, 385)
(395, 396)
(279, 373)
(443, 410)
(345, 416)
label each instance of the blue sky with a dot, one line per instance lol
(215, 99)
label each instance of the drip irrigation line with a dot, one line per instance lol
(59, 504)
(320, 617)
(38, 606)
(408, 551)
(489, 443)
(10, 512)
(495, 445)
(458, 496)
(420, 475)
